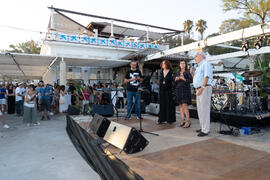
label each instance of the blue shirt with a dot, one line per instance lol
(2, 90)
(203, 70)
(43, 92)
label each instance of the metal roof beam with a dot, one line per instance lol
(12, 56)
(114, 19)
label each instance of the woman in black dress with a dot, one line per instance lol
(167, 107)
(183, 93)
(11, 99)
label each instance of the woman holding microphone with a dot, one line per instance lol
(183, 93)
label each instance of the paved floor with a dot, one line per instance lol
(45, 152)
(40, 153)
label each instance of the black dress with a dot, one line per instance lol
(11, 102)
(167, 107)
(182, 89)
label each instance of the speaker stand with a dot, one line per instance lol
(142, 131)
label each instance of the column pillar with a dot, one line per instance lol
(141, 64)
(85, 76)
(147, 33)
(112, 36)
(111, 74)
(251, 63)
(52, 19)
(63, 72)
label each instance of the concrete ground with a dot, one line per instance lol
(46, 152)
(40, 153)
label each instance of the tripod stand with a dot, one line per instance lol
(140, 129)
(114, 106)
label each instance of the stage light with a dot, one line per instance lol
(258, 43)
(245, 45)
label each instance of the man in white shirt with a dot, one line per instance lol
(19, 99)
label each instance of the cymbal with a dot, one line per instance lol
(252, 73)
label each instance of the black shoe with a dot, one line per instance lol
(182, 124)
(42, 118)
(202, 134)
(48, 117)
(139, 118)
(127, 118)
(198, 130)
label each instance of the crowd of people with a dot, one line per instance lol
(29, 100)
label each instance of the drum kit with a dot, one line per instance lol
(238, 97)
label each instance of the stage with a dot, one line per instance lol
(177, 153)
(237, 119)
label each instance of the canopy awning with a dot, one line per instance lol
(35, 65)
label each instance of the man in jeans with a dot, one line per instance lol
(45, 107)
(19, 99)
(132, 79)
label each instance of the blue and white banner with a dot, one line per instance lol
(84, 39)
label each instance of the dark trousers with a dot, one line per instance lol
(19, 106)
(120, 103)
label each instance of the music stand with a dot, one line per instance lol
(140, 128)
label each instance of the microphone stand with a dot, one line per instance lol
(140, 128)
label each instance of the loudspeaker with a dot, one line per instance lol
(153, 108)
(99, 125)
(125, 138)
(73, 110)
(104, 110)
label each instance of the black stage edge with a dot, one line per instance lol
(106, 165)
(237, 119)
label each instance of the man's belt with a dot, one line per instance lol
(201, 86)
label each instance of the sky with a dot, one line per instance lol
(34, 15)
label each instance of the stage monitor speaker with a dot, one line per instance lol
(99, 125)
(125, 138)
(153, 108)
(104, 110)
(73, 110)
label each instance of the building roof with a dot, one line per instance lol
(35, 65)
(104, 29)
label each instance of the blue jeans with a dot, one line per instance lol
(19, 105)
(130, 96)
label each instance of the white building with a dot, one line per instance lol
(90, 53)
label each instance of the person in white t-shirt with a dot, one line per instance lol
(120, 94)
(19, 99)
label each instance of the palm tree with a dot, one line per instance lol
(201, 27)
(188, 25)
